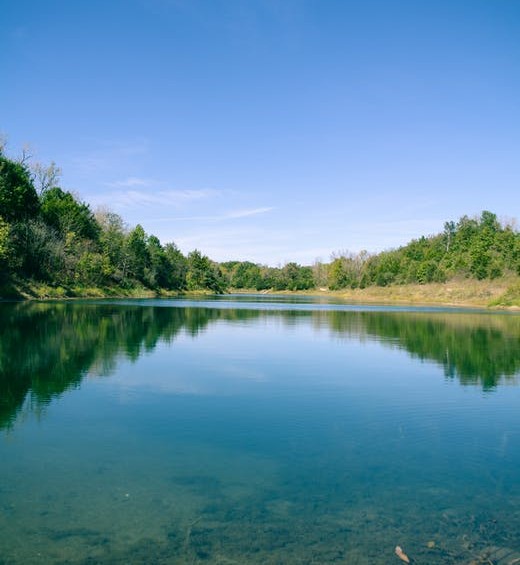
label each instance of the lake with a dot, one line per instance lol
(257, 429)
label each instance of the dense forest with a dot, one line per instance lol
(48, 235)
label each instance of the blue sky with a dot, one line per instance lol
(271, 130)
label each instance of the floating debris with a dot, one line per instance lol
(401, 554)
(430, 544)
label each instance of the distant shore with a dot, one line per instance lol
(501, 293)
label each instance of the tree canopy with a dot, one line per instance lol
(18, 198)
(50, 235)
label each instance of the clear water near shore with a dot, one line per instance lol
(256, 430)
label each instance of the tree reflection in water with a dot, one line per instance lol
(47, 348)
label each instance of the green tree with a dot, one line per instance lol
(18, 198)
(138, 255)
(4, 239)
(157, 269)
(64, 213)
(337, 276)
(198, 267)
(203, 274)
(112, 241)
(290, 275)
(246, 274)
(382, 269)
(177, 267)
(37, 250)
(92, 268)
(305, 278)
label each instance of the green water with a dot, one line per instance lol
(256, 430)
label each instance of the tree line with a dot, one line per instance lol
(479, 248)
(47, 234)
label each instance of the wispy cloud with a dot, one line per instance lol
(231, 215)
(129, 182)
(246, 213)
(138, 198)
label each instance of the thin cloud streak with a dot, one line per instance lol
(129, 182)
(247, 213)
(233, 215)
(138, 198)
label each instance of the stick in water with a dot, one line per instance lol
(401, 554)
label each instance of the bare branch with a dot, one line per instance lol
(26, 154)
(45, 177)
(3, 143)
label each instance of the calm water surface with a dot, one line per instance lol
(256, 430)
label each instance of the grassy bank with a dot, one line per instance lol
(466, 292)
(499, 293)
(31, 290)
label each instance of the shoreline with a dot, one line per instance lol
(499, 294)
(503, 294)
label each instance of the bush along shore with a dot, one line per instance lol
(52, 245)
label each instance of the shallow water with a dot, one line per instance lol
(256, 430)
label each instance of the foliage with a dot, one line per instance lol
(177, 267)
(346, 270)
(247, 275)
(112, 243)
(136, 247)
(479, 248)
(203, 273)
(18, 198)
(50, 236)
(36, 250)
(65, 214)
(243, 274)
(4, 239)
